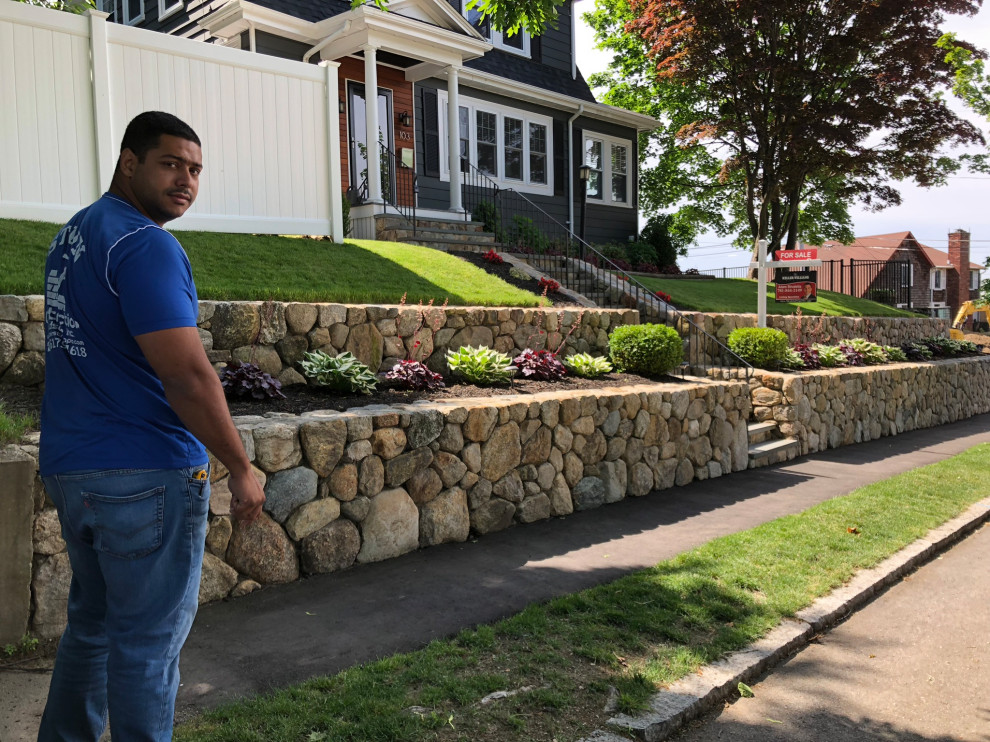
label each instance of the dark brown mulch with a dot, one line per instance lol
(299, 399)
(503, 271)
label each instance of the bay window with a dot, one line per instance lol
(608, 158)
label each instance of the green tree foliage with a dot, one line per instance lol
(70, 6)
(506, 15)
(779, 114)
(972, 85)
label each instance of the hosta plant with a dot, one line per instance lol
(830, 356)
(792, 360)
(587, 365)
(482, 365)
(247, 380)
(414, 375)
(894, 354)
(871, 353)
(539, 364)
(342, 373)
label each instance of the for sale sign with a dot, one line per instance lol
(798, 255)
(801, 286)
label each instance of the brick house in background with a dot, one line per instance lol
(939, 281)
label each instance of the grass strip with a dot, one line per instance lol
(738, 296)
(635, 634)
(14, 426)
(259, 267)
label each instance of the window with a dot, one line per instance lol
(937, 279)
(168, 7)
(609, 181)
(974, 280)
(512, 147)
(906, 269)
(537, 153)
(133, 11)
(487, 133)
(517, 43)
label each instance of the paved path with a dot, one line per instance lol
(321, 625)
(912, 666)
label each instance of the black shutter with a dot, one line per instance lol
(559, 158)
(431, 134)
(536, 48)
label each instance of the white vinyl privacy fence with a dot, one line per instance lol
(69, 85)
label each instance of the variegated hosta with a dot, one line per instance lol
(587, 365)
(482, 365)
(343, 373)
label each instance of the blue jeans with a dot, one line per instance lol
(135, 541)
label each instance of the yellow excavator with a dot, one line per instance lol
(967, 308)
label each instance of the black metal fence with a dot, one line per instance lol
(886, 282)
(521, 226)
(400, 185)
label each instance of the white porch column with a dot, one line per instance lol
(371, 116)
(454, 139)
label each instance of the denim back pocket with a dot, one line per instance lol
(127, 527)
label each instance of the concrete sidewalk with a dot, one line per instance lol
(321, 625)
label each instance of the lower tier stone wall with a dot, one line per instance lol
(373, 483)
(836, 407)
(376, 482)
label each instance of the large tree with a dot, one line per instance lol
(778, 114)
(972, 86)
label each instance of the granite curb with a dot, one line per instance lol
(691, 696)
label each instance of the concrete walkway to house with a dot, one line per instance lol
(320, 625)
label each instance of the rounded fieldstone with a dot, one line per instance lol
(533, 509)
(262, 551)
(287, 490)
(323, 443)
(218, 535)
(357, 509)
(371, 476)
(389, 442)
(494, 515)
(311, 517)
(510, 488)
(235, 324)
(217, 578)
(424, 428)
(48, 533)
(401, 468)
(501, 453)
(330, 549)
(588, 493)
(445, 518)
(391, 527)
(10, 343)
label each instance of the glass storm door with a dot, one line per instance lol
(358, 125)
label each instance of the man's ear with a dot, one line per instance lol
(127, 163)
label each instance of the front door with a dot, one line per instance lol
(358, 126)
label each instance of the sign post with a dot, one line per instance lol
(801, 258)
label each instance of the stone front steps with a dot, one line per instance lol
(440, 234)
(766, 446)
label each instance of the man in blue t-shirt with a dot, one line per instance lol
(130, 401)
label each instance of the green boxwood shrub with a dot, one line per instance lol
(763, 347)
(648, 350)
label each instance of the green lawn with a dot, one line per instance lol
(14, 426)
(635, 634)
(234, 266)
(738, 296)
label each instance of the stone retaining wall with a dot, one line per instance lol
(275, 335)
(837, 407)
(882, 330)
(377, 482)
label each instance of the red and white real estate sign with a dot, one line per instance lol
(798, 255)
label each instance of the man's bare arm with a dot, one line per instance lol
(194, 392)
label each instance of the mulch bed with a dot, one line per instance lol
(503, 271)
(299, 399)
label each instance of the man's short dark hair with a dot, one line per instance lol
(145, 129)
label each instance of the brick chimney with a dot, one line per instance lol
(957, 283)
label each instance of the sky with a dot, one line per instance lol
(929, 214)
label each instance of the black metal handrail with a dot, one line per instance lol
(400, 185)
(522, 226)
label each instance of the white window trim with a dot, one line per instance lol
(165, 10)
(974, 280)
(498, 39)
(501, 112)
(127, 19)
(936, 284)
(631, 160)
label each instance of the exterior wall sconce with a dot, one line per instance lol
(340, 105)
(405, 119)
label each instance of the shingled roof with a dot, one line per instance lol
(886, 247)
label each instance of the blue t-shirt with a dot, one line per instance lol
(112, 274)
